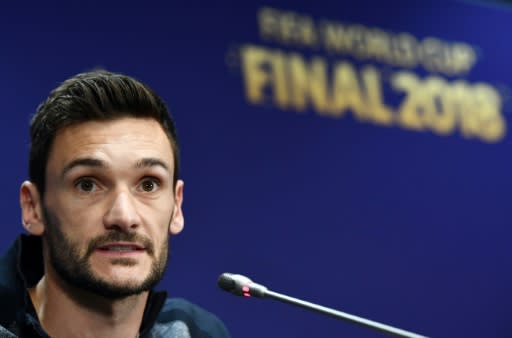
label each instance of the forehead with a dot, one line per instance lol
(120, 140)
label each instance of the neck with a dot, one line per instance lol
(65, 311)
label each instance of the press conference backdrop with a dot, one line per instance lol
(355, 154)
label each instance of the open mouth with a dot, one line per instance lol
(121, 248)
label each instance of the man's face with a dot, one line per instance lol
(110, 205)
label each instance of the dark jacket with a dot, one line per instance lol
(22, 267)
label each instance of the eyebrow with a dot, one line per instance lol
(96, 163)
(86, 162)
(151, 162)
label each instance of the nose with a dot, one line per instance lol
(122, 213)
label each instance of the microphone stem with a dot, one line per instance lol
(342, 315)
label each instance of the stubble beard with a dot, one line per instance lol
(75, 269)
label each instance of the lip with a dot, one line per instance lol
(123, 249)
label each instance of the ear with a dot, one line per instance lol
(178, 221)
(31, 209)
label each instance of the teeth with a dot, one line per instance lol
(120, 248)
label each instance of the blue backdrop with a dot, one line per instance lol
(352, 154)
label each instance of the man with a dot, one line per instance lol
(102, 199)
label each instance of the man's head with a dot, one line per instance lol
(104, 193)
(93, 96)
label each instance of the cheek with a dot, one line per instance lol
(158, 213)
(71, 209)
(79, 224)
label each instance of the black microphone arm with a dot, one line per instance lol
(243, 286)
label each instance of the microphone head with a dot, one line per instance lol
(240, 285)
(226, 282)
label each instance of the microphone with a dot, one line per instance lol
(243, 286)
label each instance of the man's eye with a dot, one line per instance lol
(86, 185)
(149, 185)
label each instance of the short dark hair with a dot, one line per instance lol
(93, 96)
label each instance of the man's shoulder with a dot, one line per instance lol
(183, 319)
(10, 285)
(8, 289)
(4, 333)
(8, 263)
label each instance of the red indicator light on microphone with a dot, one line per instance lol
(246, 291)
